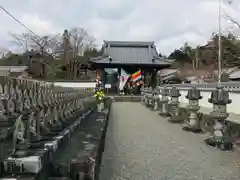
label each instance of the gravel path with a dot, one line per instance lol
(140, 145)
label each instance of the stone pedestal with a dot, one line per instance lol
(149, 100)
(173, 106)
(155, 102)
(20, 137)
(100, 106)
(38, 130)
(5, 126)
(220, 136)
(143, 96)
(192, 123)
(163, 101)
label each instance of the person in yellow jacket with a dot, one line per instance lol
(99, 97)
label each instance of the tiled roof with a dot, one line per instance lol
(129, 43)
(130, 52)
(166, 72)
(172, 76)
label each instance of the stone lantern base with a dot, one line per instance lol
(164, 114)
(221, 136)
(175, 116)
(221, 144)
(175, 119)
(164, 109)
(192, 123)
(192, 128)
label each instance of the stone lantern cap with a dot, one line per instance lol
(220, 97)
(194, 94)
(174, 92)
(165, 91)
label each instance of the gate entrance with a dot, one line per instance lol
(132, 58)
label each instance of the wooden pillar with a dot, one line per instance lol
(119, 74)
(103, 76)
(154, 79)
(146, 78)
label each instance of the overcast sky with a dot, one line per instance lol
(169, 23)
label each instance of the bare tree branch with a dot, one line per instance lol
(42, 44)
(234, 29)
(21, 40)
(45, 44)
(81, 40)
(232, 20)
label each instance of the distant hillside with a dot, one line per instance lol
(206, 57)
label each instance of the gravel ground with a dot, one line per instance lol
(141, 145)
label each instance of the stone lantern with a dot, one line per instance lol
(143, 94)
(220, 136)
(155, 99)
(163, 101)
(149, 97)
(193, 122)
(173, 105)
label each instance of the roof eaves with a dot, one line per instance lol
(172, 76)
(98, 58)
(129, 42)
(165, 60)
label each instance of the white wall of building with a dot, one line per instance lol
(76, 84)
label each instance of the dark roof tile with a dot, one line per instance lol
(130, 43)
(130, 52)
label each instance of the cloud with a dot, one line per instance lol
(169, 23)
(38, 25)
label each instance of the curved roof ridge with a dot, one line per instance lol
(129, 42)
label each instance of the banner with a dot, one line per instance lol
(136, 76)
(123, 79)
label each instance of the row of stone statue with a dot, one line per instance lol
(166, 100)
(32, 111)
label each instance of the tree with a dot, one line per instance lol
(43, 44)
(81, 40)
(190, 52)
(4, 52)
(230, 51)
(187, 49)
(232, 43)
(21, 40)
(2, 55)
(180, 56)
(54, 71)
(93, 52)
(232, 20)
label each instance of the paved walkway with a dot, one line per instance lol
(140, 145)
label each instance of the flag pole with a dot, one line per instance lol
(219, 42)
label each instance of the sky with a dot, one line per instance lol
(170, 23)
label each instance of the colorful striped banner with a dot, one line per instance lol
(136, 76)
